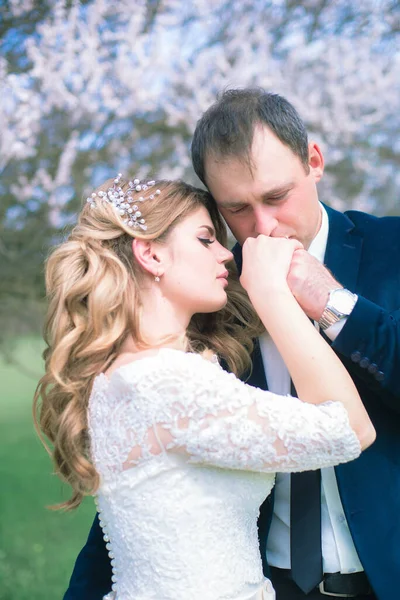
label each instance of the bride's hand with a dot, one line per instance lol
(266, 263)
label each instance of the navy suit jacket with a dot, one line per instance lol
(363, 253)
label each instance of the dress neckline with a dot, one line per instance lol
(160, 351)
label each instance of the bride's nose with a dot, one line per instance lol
(224, 254)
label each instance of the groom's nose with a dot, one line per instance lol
(265, 221)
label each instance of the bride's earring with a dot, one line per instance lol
(156, 278)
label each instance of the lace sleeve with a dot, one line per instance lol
(184, 404)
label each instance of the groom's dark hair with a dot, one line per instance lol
(226, 129)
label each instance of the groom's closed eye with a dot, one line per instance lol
(276, 195)
(238, 209)
(276, 198)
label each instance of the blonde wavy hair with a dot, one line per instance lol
(93, 288)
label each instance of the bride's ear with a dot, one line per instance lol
(149, 256)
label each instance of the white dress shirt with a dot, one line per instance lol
(338, 551)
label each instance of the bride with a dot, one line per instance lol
(178, 452)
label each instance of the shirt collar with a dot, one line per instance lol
(318, 245)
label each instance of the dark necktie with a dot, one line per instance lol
(305, 527)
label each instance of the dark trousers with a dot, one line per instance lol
(287, 590)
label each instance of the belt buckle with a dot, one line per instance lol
(322, 591)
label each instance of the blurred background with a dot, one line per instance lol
(93, 87)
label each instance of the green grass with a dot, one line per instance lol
(38, 547)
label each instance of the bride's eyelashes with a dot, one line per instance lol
(206, 241)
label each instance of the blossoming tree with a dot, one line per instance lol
(94, 87)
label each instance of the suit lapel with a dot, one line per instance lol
(343, 250)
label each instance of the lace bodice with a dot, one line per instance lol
(186, 454)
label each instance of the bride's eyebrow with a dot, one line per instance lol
(210, 230)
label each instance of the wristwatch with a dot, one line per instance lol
(340, 304)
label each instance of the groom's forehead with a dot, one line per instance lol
(266, 154)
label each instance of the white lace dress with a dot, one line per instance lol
(186, 454)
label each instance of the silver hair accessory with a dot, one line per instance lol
(124, 202)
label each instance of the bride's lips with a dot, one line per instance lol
(224, 277)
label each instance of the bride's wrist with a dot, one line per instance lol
(270, 293)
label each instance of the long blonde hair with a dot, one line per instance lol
(93, 288)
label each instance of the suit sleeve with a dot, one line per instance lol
(370, 340)
(91, 577)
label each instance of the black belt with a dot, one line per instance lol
(348, 585)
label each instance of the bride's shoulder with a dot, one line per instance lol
(129, 358)
(160, 362)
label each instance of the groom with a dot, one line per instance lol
(331, 533)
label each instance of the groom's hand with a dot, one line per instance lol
(310, 283)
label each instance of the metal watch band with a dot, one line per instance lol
(329, 317)
(331, 314)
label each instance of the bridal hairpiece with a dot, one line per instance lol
(124, 202)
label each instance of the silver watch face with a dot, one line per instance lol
(342, 301)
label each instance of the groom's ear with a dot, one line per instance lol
(149, 255)
(315, 161)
